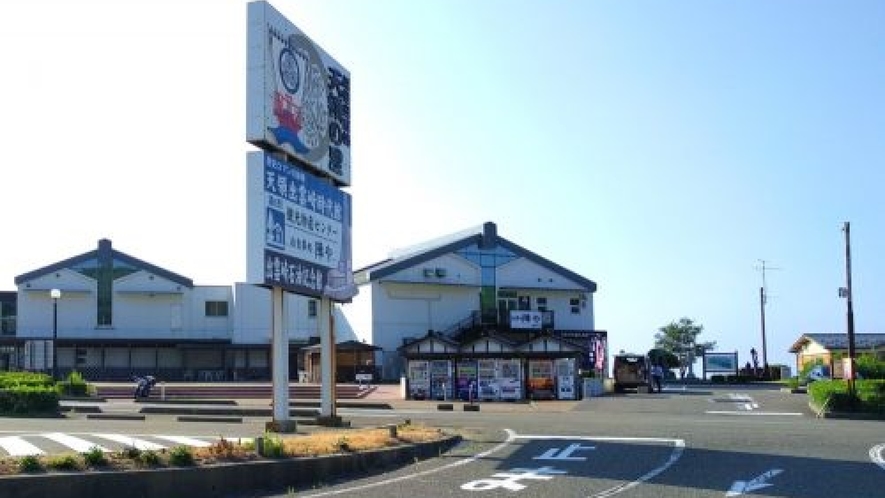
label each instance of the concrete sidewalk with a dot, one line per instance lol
(379, 397)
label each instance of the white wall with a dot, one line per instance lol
(253, 318)
(528, 274)
(197, 324)
(76, 307)
(354, 319)
(410, 310)
(455, 271)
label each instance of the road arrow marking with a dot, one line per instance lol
(744, 487)
(566, 454)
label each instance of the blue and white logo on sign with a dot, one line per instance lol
(276, 228)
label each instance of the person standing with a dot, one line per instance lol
(657, 375)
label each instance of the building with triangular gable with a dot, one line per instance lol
(474, 314)
(110, 316)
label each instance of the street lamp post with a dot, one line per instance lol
(55, 294)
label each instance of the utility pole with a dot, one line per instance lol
(763, 300)
(846, 292)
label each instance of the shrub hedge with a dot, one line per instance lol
(833, 395)
(25, 393)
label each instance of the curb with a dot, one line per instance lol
(200, 418)
(223, 479)
(114, 416)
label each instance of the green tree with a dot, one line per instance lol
(681, 339)
(665, 358)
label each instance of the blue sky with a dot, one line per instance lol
(661, 149)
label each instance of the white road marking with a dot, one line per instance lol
(678, 449)
(186, 441)
(510, 480)
(877, 455)
(564, 454)
(16, 446)
(759, 482)
(132, 442)
(73, 442)
(510, 436)
(754, 413)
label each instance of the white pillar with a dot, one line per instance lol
(280, 358)
(327, 358)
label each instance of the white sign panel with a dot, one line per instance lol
(298, 97)
(298, 230)
(526, 319)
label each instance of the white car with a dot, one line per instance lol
(819, 372)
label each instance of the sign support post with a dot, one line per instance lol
(327, 359)
(280, 345)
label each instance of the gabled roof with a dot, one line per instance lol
(839, 341)
(105, 252)
(491, 337)
(430, 335)
(484, 236)
(350, 345)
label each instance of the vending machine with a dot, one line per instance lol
(565, 378)
(441, 382)
(510, 379)
(487, 378)
(419, 380)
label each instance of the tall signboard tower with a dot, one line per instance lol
(298, 224)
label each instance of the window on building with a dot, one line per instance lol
(541, 302)
(575, 305)
(312, 308)
(216, 308)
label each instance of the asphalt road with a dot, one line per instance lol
(699, 442)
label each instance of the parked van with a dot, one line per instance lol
(631, 371)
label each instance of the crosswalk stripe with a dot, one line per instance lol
(132, 442)
(187, 441)
(16, 446)
(75, 443)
